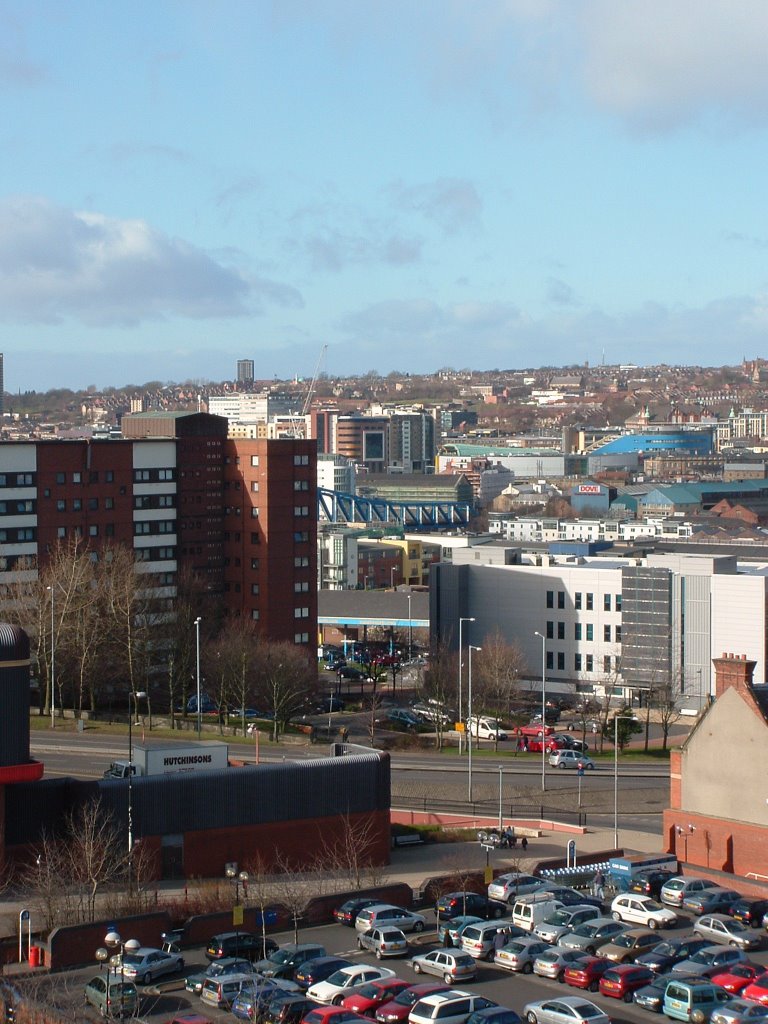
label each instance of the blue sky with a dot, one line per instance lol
(490, 183)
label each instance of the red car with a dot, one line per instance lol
(370, 997)
(737, 977)
(620, 981)
(757, 989)
(396, 1010)
(332, 1015)
(587, 973)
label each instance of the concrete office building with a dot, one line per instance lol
(245, 371)
(245, 408)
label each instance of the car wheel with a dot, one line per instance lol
(447, 979)
(616, 915)
(497, 912)
(180, 965)
(416, 967)
(561, 765)
(147, 978)
(627, 997)
(527, 968)
(336, 1001)
(653, 924)
(360, 944)
(531, 1017)
(571, 727)
(590, 767)
(591, 951)
(594, 986)
(561, 977)
(419, 926)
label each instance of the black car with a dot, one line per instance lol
(350, 672)
(288, 1009)
(649, 883)
(281, 963)
(749, 911)
(670, 952)
(494, 1015)
(572, 897)
(318, 969)
(347, 912)
(464, 904)
(246, 944)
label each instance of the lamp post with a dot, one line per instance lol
(236, 877)
(543, 709)
(392, 572)
(410, 631)
(132, 709)
(501, 813)
(466, 618)
(616, 720)
(53, 662)
(686, 832)
(113, 941)
(470, 648)
(198, 620)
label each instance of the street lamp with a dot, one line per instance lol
(461, 656)
(198, 620)
(686, 833)
(470, 648)
(392, 572)
(410, 631)
(543, 709)
(132, 709)
(616, 720)
(113, 941)
(501, 783)
(53, 662)
(236, 877)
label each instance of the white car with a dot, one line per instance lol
(485, 728)
(571, 759)
(636, 909)
(343, 982)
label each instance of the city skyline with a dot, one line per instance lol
(507, 184)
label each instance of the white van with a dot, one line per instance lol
(531, 910)
(485, 728)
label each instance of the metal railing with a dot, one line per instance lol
(486, 808)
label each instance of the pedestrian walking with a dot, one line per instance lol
(524, 843)
(598, 885)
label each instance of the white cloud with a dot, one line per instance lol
(57, 263)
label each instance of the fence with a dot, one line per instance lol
(487, 808)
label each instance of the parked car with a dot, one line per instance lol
(519, 954)
(710, 901)
(368, 998)
(396, 1010)
(222, 992)
(384, 941)
(573, 897)
(739, 1011)
(494, 1015)
(588, 936)
(217, 969)
(651, 996)
(486, 728)
(147, 963)
(252, 1000)
(334, 988)
(636, 909)
(649, 883)
(333, 1015)
(565, 1010)
(553, 962)
(749, 911)
(288, 1008)
(571, 743)
(244, 944)
(627, 947)
(586, 972)
(734, 979)
(450, 931)
(693, 999)
(724, 929)
(674, 891)
(381, 914)
(450, 965)
(447, 1007)
(453, 904)
(623, 979)
(506, 888)
(709, 960)
(350, 672)
(757, 990)
(348, 911)
(281, 963)
(564, 920)
(478, 939)
(112, 996)
(318, 969)
(571, 759)
(403, 717)
(670, 952)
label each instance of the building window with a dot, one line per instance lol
(140, 529)
(301, 613)
(254, 485)
(255, 614)
(618, 602)
(23, 479)
(577, 631)
(166, 526)
(301, 510)
(550, 631)
(109, 530)
(93, 530)
(77, 478)
(61, 532)
(255, 538)
(577, 663)
(77, 505)
(61, 478)
(561, 631)
(109, 503)
(617, 635)
(165, 474)
(301, 562)
(550, 660)
(590, 663)
(607, 663)
(254, 512)
(301, 536)
(254, 588)
(254, 460)
(141, 475)
(61, 505)
(254, 563)
(165, 501)
(27, 534)
(550, 599)
(561, 599)
(577, 600)
(607, 634)
(590, 631)
(560, 661)
(109, 476)
(93, 504)
(93, 476)
(301, 460)
(606, 602)
(590, 602)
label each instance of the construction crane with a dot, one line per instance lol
(298, 423)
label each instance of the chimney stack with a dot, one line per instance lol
(733, 670)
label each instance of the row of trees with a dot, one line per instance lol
(102, 630)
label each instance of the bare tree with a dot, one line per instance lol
(294, 887)
(350, 853)
(285, 681)
(93, 853)
(499, 668)
(439, 686)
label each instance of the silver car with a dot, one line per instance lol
(710, 960)
(588, 936)
(148, 963)
(448, 964)
(737, 1011)
(677, 888)
(519, 954)
(506, 888)
(727, 931)
(383, 942)
(564, 920)
(553, 962)
(566, 1010)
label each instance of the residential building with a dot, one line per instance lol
(245, 371)
(336, 473)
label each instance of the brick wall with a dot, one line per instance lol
(719, 844)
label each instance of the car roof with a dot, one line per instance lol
(438, 998)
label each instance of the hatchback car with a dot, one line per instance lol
(368, 998)
(333, 1015)
(568, 758)
(737, 1010)
(553, 962)
(112, 996)
(636, 909)
(588, 936)
(622, 980)
(446, 964)
(749, 911)
(252, 1000)
(494, 1015)
(449, 932)
(396, 1010)
(318, 969)
(382, 914)
(723, 929)
(222, 992)
(339, 984)
(674, 891)
(455, 904)
(282, 963)
(586, 972)
(478, 939)
(564, 920)
(651, 996)
(757, 990)
(710, 901)
(710, 960)
(566, 1010)
(348, 911)
(383, 942)
(217, 969)
(506, 888)
(519, 954)
(288, 1008)
(245, 944)
(670, 952)
(447, 1008)
(649, 883)
(626, 948)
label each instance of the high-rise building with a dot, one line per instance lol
(2, 386)
(245, 371)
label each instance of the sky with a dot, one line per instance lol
(467, 183)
